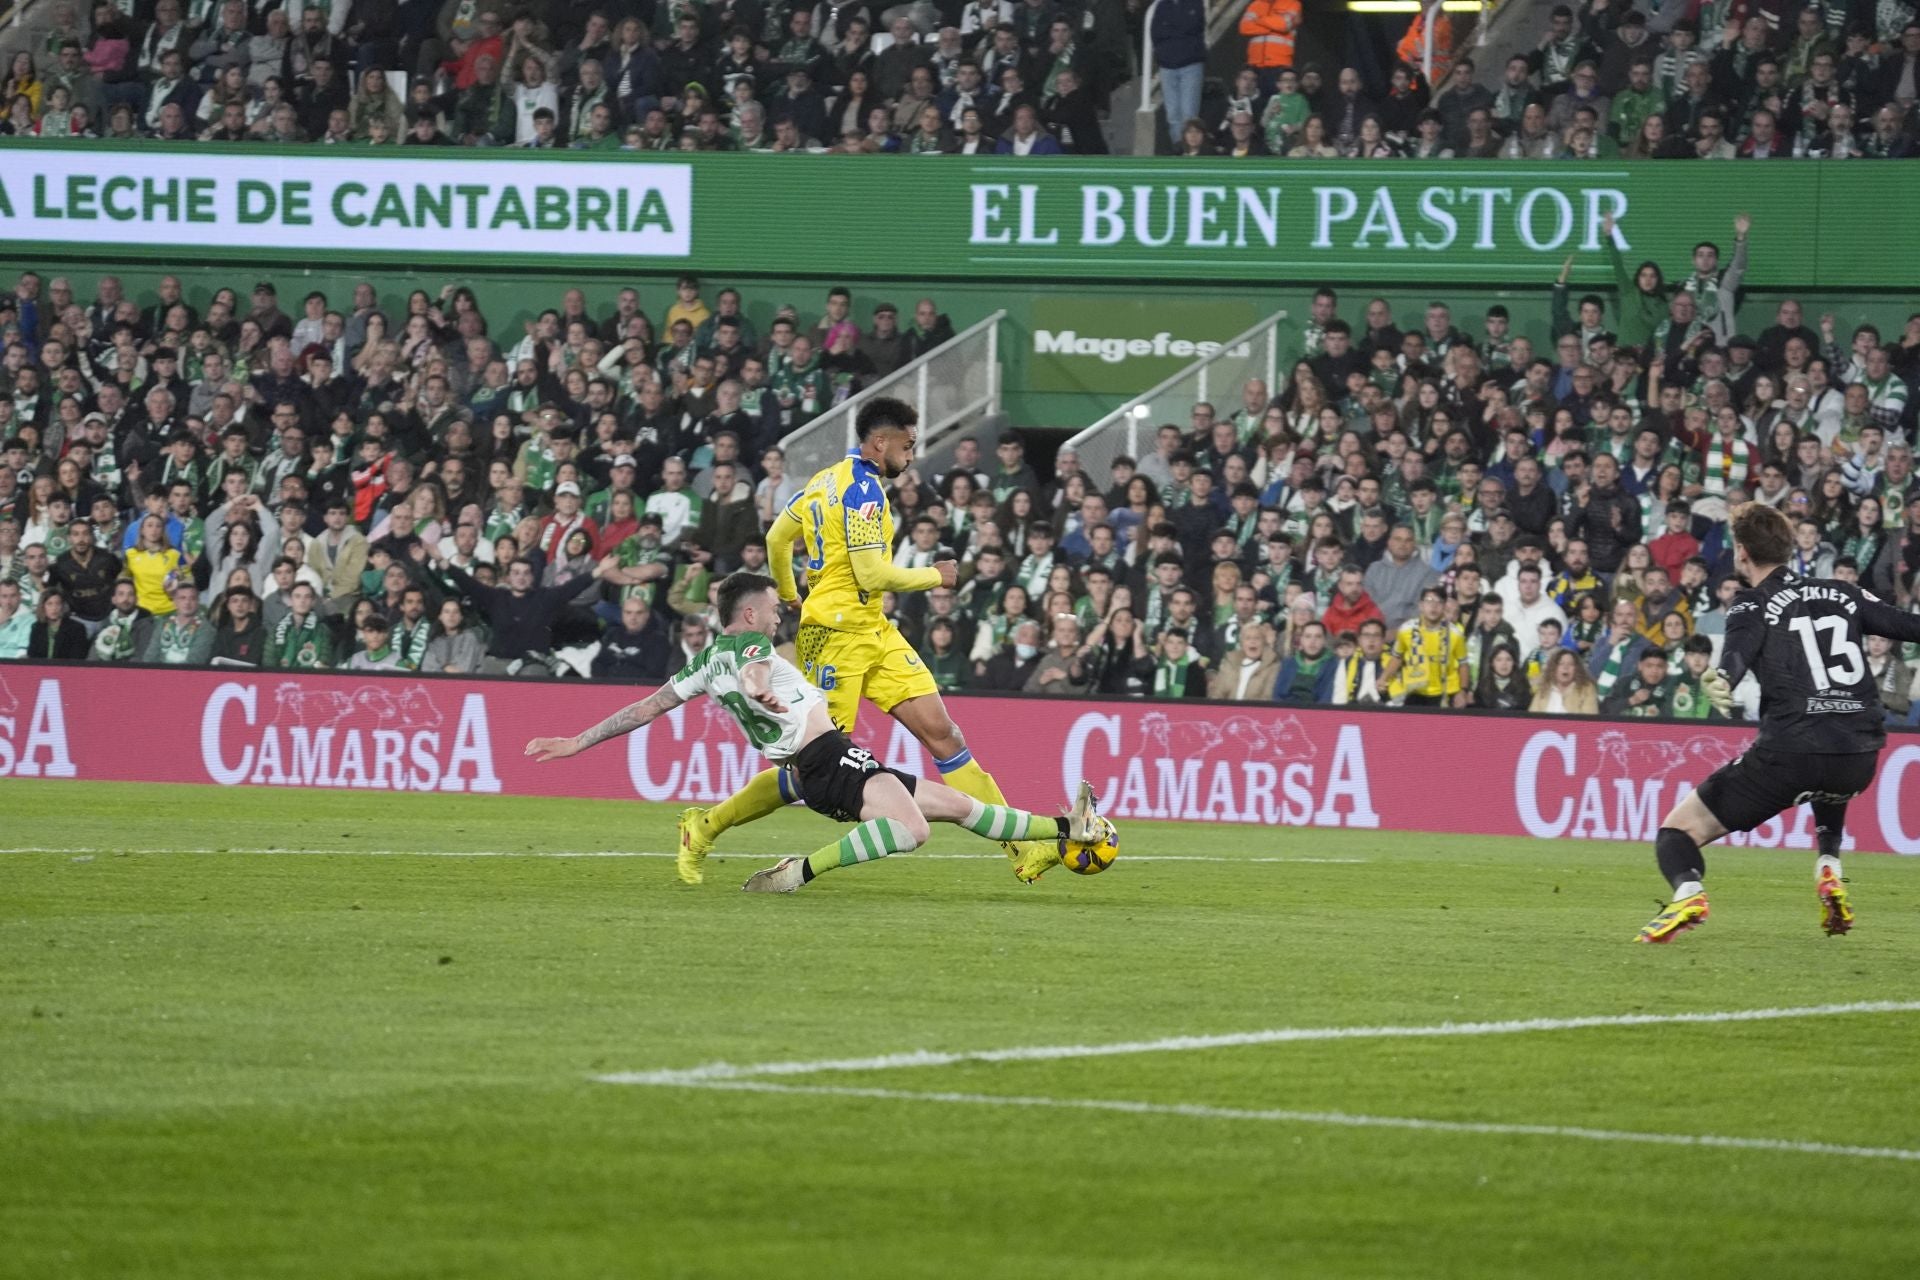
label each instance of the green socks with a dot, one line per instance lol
(875, 838)
(998, 822)
(878, 837)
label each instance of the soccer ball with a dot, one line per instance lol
(1092, 859)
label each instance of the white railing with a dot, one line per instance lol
(1143, 126)
(953, 386)
(1217, 379)
(1481, 7)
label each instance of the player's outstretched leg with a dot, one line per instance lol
(896, 822)
(890, 822)
(927, 719)
(1829, 825)
(768, 791)
(1677, 849)
(1080, 827)
(875, 838)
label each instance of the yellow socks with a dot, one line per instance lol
(761, 796)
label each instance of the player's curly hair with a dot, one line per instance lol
(1764, 532)
(883, 412)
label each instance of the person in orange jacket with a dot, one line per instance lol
(1270, 27)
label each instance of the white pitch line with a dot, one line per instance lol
(649, 853)
(1239, 1039)
(1339, 1118)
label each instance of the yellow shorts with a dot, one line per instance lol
(848, 665)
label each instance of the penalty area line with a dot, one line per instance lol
(1240, 1039)
(639, 853)
(1340, 1119)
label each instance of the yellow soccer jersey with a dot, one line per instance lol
(1430, 658)
(843, 513)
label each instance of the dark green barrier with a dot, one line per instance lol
(1253, 223)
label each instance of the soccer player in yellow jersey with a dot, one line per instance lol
(846, 648)
(1428, 663)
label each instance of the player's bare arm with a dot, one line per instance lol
(625, 720)
(756, 681)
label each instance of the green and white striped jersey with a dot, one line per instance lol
(716, 672)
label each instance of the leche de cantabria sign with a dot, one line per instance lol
(398, 202)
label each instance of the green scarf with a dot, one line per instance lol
(1610, 673)
(304, 645)
(1170, 678)
(176, 638)
(115, 641)
(1306, 676)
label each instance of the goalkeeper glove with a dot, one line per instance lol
(1719, 693)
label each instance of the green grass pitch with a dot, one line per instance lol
(357, 1064)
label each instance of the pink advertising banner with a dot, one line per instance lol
(1261, 766)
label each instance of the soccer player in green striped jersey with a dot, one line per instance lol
(786, 719)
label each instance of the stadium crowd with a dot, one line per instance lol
(1418, 514)
(983, 76)
(1711, 79)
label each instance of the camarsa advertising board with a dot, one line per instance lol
(1280, 768)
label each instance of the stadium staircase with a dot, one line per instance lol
(24, 24)
(955, 388)
(1261, 352)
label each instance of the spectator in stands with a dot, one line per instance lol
(1395, 581)
(637, 648)
(300, 640)
(1357, 676)
(1563, 687)
(1503, 681)
(520, 612)
(455, 649)
(55, 636)
(1013, 662)
(1180, 49)
(184, 637)
(1250, 670)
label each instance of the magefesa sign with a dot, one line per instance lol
(1118, 346)
(1509, 222)
(329, 202)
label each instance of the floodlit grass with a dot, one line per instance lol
(249, 1065)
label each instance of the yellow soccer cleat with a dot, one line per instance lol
(695, 845)
(1034, 858)
(1836, 913)
(1676, 919)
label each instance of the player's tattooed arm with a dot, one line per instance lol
(625, 720)
(629, 718)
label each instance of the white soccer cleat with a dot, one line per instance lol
(783, 876)
(1083, 821)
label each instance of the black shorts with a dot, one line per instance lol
(833, 776)
(1761, 783)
